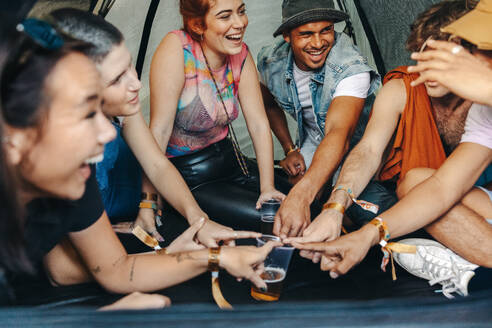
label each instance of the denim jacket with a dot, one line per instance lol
(275, 64)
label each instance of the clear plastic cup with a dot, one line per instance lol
(276, 265)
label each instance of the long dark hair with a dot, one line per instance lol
(12, 255)
(24, 103)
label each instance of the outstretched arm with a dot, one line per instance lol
(259, 129)
(363, 161)
(159, 170)
(420, 207)
(341, 119)
(433, 197)
(119, 272)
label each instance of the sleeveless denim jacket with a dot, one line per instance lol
(275, 64)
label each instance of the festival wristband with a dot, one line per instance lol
(213, 266)
(347, 190)
(291, 149)
(384, 234)
(213, 259)
(388, 248)
(157, 212)
(365, 205)
(148, 196)
(148, 205)
(336, 206)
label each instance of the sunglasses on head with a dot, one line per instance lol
(42, 33)
(41, 36)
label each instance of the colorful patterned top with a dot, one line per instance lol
(200, 118)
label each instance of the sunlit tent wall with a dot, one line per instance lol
(384, 22)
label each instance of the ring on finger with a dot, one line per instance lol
(456, 49)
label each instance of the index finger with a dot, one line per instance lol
(301, 240)
(225, 234)
(432, 54)
(319, 247)
(241, 234)
(442, 45)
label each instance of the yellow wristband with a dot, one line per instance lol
(291, 149)
(336, 206)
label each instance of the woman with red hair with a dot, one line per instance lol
(200, 76)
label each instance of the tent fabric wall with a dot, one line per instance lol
(389, 22)
(264, 18)
(128, 16)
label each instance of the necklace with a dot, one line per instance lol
(232, 135)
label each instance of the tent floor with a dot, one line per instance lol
(366, 296)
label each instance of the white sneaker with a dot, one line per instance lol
(438, 264)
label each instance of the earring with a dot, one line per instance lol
(201, 37)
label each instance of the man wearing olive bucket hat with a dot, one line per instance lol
(318, 77)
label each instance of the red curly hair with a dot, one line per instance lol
(194, 12)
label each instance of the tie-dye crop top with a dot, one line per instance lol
(200, 117)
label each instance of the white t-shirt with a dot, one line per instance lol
(478, 126)
(354, 86)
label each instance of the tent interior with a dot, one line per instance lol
(365, 297)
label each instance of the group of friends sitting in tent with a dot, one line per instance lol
(383, 156)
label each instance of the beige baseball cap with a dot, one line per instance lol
(475, 26)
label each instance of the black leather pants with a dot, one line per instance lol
(221, 189)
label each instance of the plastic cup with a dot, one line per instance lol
(267, 221)
(270, 207)
(276, 265)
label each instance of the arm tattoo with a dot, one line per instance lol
(133, 268)
(118, 260)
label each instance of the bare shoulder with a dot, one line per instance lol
(169, 48)
(392, 96)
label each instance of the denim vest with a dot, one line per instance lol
(275, 64)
